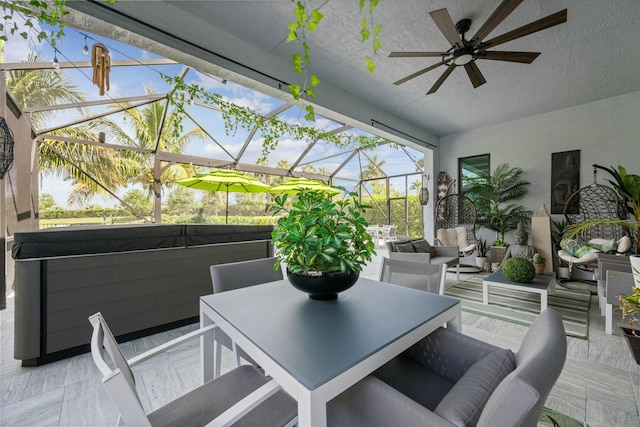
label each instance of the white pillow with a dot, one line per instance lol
(624, 244)
(448, 236)
(462, 236)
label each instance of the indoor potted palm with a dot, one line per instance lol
(323, 242)
(493, 195)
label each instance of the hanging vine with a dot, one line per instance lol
(367, 27)
(272, 128)
(20, 17)
(307, 19)
(304, 20)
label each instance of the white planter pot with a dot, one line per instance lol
(481, 261)
(635, 267)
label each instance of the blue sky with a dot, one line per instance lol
(131, 81)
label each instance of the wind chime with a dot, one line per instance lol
(101, 64)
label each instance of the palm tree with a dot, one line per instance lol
(85, 165)
(149, 134)
(33, 88)
(372, 171)
(491, 193)
(416, 185)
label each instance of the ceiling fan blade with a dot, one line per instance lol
(441, 79)
(419, 73)
(523, 57)
(416, 54)
(539, 25)
(502, 11)
(476, 77)
(447, 28)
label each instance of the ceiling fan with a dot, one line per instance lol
(465, 52)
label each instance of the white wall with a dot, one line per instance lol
(606, 132)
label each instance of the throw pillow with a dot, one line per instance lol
(570, 246)
(422, 246)
(404, 247)
(624, 245)
(609, 246)
(586, 249)
(464, 403)
(462, 236)
(447, 236)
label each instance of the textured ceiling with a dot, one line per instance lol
(595, 55)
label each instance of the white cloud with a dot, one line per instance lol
(255, 101)
(214, 151)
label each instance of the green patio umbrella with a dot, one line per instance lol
(295, 184)
(225, 180)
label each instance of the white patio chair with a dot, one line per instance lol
(392, 236)
(414, 274)
(236, 275)
(242, 396)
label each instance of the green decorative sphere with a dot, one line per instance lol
(518, 270)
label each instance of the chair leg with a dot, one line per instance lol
(458, 272)
(217, 359)
(608, 321)
(237, 354)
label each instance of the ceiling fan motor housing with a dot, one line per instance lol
(463, 26)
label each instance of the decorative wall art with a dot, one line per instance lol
(565, 180)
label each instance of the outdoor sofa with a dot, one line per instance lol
(144, 278)
(437, 254)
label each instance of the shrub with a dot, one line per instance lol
(519, 270)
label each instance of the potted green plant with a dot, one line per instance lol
(518, 269)
(323, 242)
(481, 258)
(558, 229)
(538, 263)
(630, 307)
(493, 196)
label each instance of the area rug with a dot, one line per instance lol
(523, 307)
(549, 417)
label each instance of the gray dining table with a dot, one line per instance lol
(314, 349)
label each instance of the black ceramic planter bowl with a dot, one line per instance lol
(633, 342)
(326, 286)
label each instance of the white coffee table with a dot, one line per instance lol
(542, 284)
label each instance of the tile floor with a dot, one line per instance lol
(600, 384)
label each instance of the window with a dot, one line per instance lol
(471, 167)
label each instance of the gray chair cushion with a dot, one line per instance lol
(464, 403)
(422, 246)
(448, 353)
(413, 380)
(404, 247)
(373, 403)
(205, 403)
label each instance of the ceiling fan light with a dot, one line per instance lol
(463, 59)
